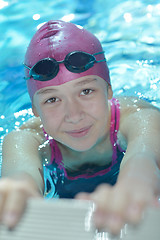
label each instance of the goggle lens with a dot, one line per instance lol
(79, 61)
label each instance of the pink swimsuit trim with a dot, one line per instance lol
(114, 127)
(115, 119)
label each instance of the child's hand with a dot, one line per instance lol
(123, 203)
(13, 197)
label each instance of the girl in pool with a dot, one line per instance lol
(83, 143)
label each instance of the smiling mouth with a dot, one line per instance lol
(79, 133)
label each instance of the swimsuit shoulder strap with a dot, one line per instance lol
(114, 126)
(56, 155)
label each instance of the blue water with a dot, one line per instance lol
(129, 32)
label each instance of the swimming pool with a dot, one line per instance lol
(128, 30)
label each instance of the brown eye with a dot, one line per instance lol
(52, 100)
(86, 91)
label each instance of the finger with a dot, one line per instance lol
(134, 213)
(3, 195)
(118, 201)
(100, 196)
(2, 200)
(83, 196)
(114, 224)
(156, 202)
(14, 207)
(111, 217)
(136, 207)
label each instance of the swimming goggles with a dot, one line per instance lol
(75, 62)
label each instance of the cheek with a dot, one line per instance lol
(103, 114)
(51, 120)
(50, 125)
(99, 108)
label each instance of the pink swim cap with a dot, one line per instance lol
(55, 39)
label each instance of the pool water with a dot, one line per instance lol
(128, 30)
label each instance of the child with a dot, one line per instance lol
(83, 139)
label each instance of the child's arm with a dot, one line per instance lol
(22, 174)
(138, 183)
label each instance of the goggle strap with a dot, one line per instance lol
(103, 60)
(97, 53)
(27, 78)
(26, 66)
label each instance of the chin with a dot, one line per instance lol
(81, 147)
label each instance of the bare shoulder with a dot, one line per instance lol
(33, 126)
(137, 115)
(131, 104)
(30, 133)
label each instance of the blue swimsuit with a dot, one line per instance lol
(62, 185)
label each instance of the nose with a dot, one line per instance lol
(73, 111)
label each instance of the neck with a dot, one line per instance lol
(100, 154)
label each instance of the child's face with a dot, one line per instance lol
(76, 113)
